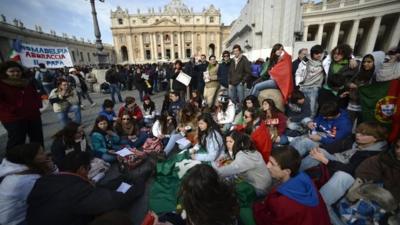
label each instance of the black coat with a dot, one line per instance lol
(68, 199)
(59, 149)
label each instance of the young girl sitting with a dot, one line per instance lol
(129, 132)
(104, 141)
(276, 121)
(247, 162)
(149, 111)
(163, 127)
(209, 139)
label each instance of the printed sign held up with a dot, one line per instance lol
(52, 57)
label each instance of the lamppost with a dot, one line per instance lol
(102, 57)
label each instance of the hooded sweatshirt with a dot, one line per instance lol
(334, 129)
(251, 167)
(14, 190)
(109, 115)
(295, 202)
(349, 160)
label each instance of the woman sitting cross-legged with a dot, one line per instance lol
(104, 141)
(247, 162)
(209, 139)
(128, 131)
(295, 200)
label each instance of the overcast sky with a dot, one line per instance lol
(74, 16)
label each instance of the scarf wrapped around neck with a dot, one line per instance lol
(19, 83)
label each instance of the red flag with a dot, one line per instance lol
(394, 90)
(281, 73)
(262, 141)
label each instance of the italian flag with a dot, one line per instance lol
(13, 55)
(380, 102)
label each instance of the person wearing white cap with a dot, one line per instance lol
(80, 87)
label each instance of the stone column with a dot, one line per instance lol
(394, 36)
(319, 33)
(179, 46)
(162, 46)
(335, 36)
(305, 32)
(351, 39)
(141, 47)
(154, 50)
(183, 45)
(193, 48)
(371, 36)
(324, 2)
(204, 44)
(129, 46)
(172, 47)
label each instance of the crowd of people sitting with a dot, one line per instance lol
(310, 154)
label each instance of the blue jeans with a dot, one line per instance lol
(311, 94)
(236, 93)
(268, 84)
(333, 191)
(115, 89)
(303, 145)
(171, 142)
(63, 116)
(309, 162)
(108, 158)
(155, 85)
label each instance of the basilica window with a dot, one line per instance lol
(133, 21)
(120, 21)
(188, 37)
(211, 19)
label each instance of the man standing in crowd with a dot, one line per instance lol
(112, 78)
(200, 68)
(239, 72)
(223, 70)
(303, 52)
(45, 78)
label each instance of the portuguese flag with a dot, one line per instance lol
(380, 102)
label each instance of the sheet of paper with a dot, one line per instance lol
(124, 187)
(183, 142)
(183, 78)
(124, 152)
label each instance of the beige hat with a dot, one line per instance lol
(72, 70)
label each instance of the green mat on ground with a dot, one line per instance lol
(164, 190)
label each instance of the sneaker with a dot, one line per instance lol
(93, 104)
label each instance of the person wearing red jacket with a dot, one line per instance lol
(19, 105)
(133, 109)
(295, 200)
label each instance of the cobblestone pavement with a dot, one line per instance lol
(51, 124)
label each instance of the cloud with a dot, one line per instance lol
(74, 16)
